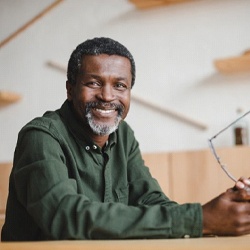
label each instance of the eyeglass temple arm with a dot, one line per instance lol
(232, 123)
(214, 152)
(218, 160)
(227, 173)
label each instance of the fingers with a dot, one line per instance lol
(241, 190)
(229, 213)
(225, 216)
(243, 183)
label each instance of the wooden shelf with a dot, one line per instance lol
(237, 64)
(7, 98)
(146, 4)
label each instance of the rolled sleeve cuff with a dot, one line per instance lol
(187, 221)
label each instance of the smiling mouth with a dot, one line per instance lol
(105, 111)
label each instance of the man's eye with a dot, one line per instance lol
(93, 85)
(121, 86)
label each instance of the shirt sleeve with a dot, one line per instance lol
(184, 220)
(52, 199)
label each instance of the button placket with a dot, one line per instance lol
(107, 179)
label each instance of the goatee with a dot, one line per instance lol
(103, 129)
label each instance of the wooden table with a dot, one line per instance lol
(209, 243)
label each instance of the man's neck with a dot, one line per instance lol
(100, 140)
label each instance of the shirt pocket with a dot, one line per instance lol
(122, 194)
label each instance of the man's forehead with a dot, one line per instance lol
(103, 56)
(97, 66)
(104, 60)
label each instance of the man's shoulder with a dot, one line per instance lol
(124, 127)
(125, 132)
(50, 121)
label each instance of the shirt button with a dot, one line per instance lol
(186, 236)
(94, 147)
(87, 148)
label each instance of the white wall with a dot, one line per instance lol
(174, 48)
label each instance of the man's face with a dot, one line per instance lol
(101, 95)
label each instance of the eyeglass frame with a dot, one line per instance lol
(211, 146)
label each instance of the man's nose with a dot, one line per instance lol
(107, 93)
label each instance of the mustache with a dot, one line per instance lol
(118, 107)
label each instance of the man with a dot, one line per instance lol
(78, 172)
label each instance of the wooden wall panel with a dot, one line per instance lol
(159, 166)
(5, 169)
(195, 176)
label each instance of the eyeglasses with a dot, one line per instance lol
(223, 166)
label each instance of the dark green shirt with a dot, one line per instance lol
(63, 186)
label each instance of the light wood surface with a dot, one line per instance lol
(5, 169)
(233, 64)
(159, 166)
(211, 243)
(195, 176)
(146, 4)
(7, 97)
(2, 219)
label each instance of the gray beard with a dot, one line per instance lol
(102, 129)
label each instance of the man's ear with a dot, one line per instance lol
(69, 88)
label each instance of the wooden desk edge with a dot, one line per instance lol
(242, 242)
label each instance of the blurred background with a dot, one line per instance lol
(181, 96)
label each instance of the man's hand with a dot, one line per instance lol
(229, 213)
